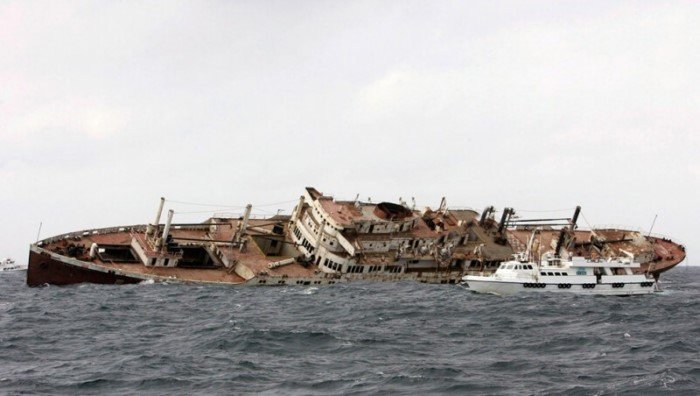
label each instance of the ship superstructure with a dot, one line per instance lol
(355, 237)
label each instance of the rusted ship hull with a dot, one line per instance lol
(50, 263)
(45, 268)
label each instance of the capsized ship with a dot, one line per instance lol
(326, 241)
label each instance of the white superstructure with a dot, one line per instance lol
(383, 239)
(554, 274)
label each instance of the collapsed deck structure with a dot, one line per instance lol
(325, 241)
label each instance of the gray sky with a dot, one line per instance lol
(106, 106)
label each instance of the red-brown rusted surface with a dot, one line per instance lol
(656, 255)
(43, 269)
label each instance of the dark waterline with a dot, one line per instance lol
(353, 339)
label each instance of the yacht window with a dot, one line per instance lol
(543, 273)
(557, 274)
(550, 273)
(510, 266)
(564, 274)
(502, 266)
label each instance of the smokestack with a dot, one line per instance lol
(166, 231)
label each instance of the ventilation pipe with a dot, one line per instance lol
(443, 204)
(575, 218)
(281, 263)
(166, 231)
(560, 242)
(246, 217)
(507, 212)
(150, 230)
(93, 250)
(485, 214)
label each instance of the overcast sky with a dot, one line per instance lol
(106, 106)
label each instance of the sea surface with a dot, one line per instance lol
(357, 338)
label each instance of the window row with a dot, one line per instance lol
(554, 273)
(354, 269)
(332, 265)
(307, 245)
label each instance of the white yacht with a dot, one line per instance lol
(10, 265)
(554, 274)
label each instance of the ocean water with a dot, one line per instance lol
(358, 338)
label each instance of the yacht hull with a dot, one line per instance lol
(506, 288)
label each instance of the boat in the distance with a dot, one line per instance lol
(9, 264)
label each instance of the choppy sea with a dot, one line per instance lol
(357, 338)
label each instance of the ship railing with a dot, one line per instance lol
(233, 215)
(666, 237)
(75, 235)
(450, 207)
(620, 227)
